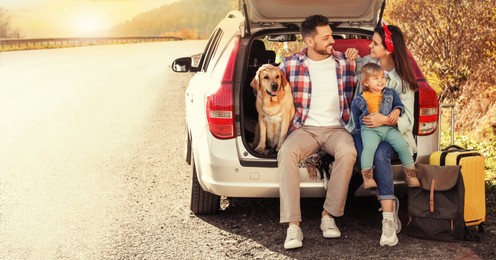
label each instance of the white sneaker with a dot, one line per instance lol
(294, 237)
(397, 222)
(329, 228)
(388, 236)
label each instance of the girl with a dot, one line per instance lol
(377, 98)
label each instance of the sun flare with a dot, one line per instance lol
(74, 18)
(89, 23)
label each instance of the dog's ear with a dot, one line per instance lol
(284, 80)
(255, 83)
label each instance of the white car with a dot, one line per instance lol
(220, 105)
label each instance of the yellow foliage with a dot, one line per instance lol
(185, 34)
(455, 44)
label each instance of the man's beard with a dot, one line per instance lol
(324, 51)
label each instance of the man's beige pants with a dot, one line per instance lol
(302, 143)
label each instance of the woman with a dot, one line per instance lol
(388, 49)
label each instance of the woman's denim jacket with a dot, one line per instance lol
(359, 107)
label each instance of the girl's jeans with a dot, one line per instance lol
(383, 173)
(374, 136)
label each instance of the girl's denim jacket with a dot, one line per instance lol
(359, 108)
(406, 121)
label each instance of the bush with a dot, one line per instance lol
(450, 38)
(185, 34)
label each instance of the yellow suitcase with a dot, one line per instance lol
(473, 169)
(472, 163)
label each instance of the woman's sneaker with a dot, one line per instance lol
(397, 221)
(388, 236)
(294, 237)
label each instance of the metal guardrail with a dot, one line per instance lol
(46, 43)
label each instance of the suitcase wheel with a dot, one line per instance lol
(480, 227)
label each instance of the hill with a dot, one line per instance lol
(197, 16)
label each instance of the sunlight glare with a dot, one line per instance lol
(89, 23)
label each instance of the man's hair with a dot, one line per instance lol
(369, 70)
(309, 25)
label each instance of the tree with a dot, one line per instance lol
(450, 37)
(6, 30)
(199, 15)
(454, 42)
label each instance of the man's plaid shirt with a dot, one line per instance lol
(296, 69)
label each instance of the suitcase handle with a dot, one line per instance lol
(455, 147)
(452, 132)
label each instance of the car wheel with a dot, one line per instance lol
(202, 202)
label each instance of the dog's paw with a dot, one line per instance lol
(260, 149)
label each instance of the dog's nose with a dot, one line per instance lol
(274, 86)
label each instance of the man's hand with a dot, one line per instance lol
(351, 53)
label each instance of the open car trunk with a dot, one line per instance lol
(267, 49)
(273, 30)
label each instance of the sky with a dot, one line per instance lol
(73, 18)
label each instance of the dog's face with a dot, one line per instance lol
(269, 79)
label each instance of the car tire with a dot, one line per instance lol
(202, 202)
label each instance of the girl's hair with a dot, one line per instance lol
(369, 70)
(400, 56)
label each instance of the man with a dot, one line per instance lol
(323, 88)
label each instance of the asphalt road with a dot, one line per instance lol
(88, 143)
(91, 167)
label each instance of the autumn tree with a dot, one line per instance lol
(200, 16)
(6, 29)
(452, 38)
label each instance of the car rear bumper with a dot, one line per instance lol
(220, 172)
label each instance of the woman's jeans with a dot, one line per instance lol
(383, 173)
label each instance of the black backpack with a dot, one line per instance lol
(436, 208)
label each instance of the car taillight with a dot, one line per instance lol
(220, 112)
(428, 106)
(428, 109)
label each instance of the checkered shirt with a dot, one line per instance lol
(296, 70)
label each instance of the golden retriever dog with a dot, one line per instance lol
(275, 107)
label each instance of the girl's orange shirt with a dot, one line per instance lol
(373, 101)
